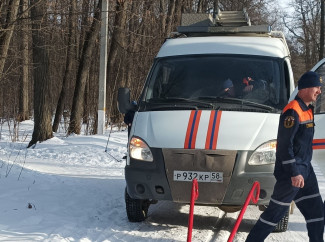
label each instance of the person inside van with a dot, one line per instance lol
(256, 89)
(250, 84)
(228, 89)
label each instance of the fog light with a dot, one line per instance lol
(159, 190)
(262, 194)
(140, 188)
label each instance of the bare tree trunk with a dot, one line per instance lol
(84, 23)
(199, 6)
(2, 3)
(163, 16)
(42, 114)
(116, 35)
(85, 116)
(132, 45)
(24, 94)
(215, 6)
(306, 38)
(69, 63)
(322, 30)
(202, 6)
(7, 34)
(84, 66)
(170, 16)
(118, 44)
(178, 12)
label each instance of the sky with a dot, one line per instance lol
(70, 189)
(285, 4)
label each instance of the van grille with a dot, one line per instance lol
(202, 161)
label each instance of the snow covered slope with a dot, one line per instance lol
(70, 189)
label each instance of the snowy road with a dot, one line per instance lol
(71, 190)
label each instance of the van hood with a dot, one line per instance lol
(205, 129)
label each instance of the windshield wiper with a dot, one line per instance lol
(180, 100)
(162, 107)
(239, 101)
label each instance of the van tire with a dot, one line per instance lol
(282, 225)
(136, 209)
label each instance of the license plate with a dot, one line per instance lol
(201, 176)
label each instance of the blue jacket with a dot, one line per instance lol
(294, 143)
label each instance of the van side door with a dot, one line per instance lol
(319, 136)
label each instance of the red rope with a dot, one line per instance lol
(249, 197)
(194, 196)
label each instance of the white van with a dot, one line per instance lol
(186, 126)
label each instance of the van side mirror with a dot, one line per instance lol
(123, 100)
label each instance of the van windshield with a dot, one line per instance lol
(226, 82)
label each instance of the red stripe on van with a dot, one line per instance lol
(318, 144)
(192, 129)
(213, 130)
(216, 131)
(207, 141)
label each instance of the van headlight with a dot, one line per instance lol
(140, 150)
(264, 154)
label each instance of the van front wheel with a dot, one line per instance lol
(136, 209)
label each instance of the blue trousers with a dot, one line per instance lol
(307, 199)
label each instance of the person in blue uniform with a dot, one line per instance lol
(128, 117)
(295, 177)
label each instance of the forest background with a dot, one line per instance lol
(50, 52)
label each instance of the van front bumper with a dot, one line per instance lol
(154, 180)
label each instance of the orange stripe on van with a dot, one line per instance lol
(318, 144)
(213, 130)
(192, 129)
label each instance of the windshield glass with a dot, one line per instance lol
(226, 82)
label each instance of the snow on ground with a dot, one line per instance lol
(70, 189)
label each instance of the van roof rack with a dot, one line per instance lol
(221, 23)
